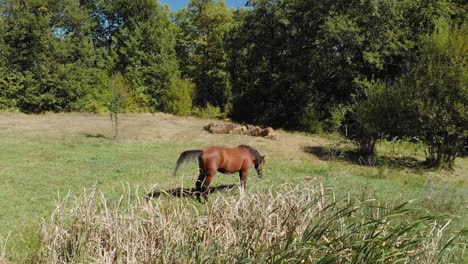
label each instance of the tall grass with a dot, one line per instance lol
(297, 225)
(3, 248)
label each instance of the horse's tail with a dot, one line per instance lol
(187, 156)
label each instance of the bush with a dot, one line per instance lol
(8, 89)
(386, 112)
(429, 103)
(179, 97)
(210, 111)
(439, 88)
(310, 120)
(119, 98)
(337, 117)
(96, 98)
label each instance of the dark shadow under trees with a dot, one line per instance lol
(356, 157)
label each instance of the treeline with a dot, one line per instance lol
(370, 69)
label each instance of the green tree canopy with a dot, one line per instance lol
(428, 103)
(203, 26)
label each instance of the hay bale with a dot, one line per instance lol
(207, 127)
(236, 129)
(218, 129)
(230, 127)
(251, 127)
(264, 132)
(273, 136)
(235, 132)
(267, 131)
(256, 132)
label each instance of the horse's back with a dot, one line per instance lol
(235, 151)
(213, 154)
(228, 159)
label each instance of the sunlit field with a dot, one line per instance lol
(66, 186)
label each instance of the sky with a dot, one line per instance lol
(179, 4)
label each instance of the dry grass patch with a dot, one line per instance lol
(295, 225)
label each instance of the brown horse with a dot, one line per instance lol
(224, 160)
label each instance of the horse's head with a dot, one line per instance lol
(259, 166)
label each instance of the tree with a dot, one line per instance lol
(29, 43)
(439, 87)
(118, 100)
(7, 93)
(293, 59)
(144, 51)
(82, 69)
(429, 103)
(51, 60)
(179, 97)
(384, 113)
(265, 90)
(201, 49)
(60, 53)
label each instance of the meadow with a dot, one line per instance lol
(55, 164)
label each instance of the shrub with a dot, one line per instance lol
(96, 99)
(310, 120)
(383, 113)
(439, 88)
(119, 99)
(210, 111)
(429, 103)
(8, 89)
(337, 116)
(179, 97)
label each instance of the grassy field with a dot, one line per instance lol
(45, 157)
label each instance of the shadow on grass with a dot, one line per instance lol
(187, 192)
(96, 136)
(355, 157)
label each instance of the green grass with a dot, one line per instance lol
(39, 165)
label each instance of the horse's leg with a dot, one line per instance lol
(206, 183)
(243, 178)
(200, 183)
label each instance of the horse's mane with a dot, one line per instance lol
(254, 152)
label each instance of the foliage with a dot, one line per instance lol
(118, 100)
(179, 97)
(59, 52)
(378, 116)
(49, 55)
(310, 120)
(8, 93)
(428, 103)
(305, 65)
(439, 87)
(280, 65)
(337, 117)
(144, 50)
(210, 111)
(201, 49)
